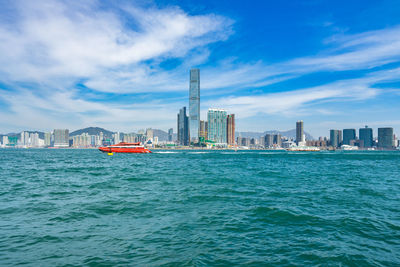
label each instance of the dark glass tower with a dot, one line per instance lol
(183, 127)
(385, 138)
(366, 136)
(348, 134)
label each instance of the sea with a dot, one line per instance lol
(72, 207)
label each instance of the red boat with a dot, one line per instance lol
(125, 148)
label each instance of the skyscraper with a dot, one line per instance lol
(170, 134)
(194, 105)
(348, 134)
(217, 125)
(183, 127)
(366, 135)
(336, 138)
(230, 124)
(61, 138)
(385, 138)
(300, 132)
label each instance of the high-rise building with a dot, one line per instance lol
(194, 105)
(117, 137)
(170, 134)
(217, 125)
(22, 138)
(300, 137)
(61, 138)
(336, 138)
(272, 140)
(269, 140)
(47, 139)
(149, 134)
(230, 130)
(183, 127)
(5, 140)
(385, 138)
(348, 135)
(366, 136)
(203, 130)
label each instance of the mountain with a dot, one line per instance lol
(92, 131)
(162, 135)
(289, 134)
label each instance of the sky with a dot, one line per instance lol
(124, 65)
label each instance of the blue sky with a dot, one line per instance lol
(124, 65)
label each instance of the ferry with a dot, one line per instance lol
(124, 148)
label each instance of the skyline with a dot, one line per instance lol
(125, 66)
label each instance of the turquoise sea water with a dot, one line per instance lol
(197, 208)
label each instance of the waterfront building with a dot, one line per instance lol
(269, 140)
(348, 135)
(272, 140)
(130, 138)
(217, 125)
(34, 139)
(22, 138)
(336, 138)
(5, 140)
(203, 130)
(26, 139)
(366, 136)
(47, 139)
(300, 137)
(149, 134)
(183, 127)
(61, 138)
(170, 134)
(194, 105)
(230, 130)
(117, 137)
(12, 140)
(385, 138)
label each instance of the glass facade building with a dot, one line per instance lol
(194, 105)
(348, 135)
(299, 132)
(385, 138)
(336, 138)
(183, 127)
(217, 119)
(366, 136)
(230, 124)
(61, 138)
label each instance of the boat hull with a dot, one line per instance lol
(124, 150)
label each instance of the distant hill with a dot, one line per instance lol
(92, 131)
(289, 134)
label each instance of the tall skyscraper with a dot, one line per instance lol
(217, 125)
(61, 138)
(300, 137)
(366, 136)
(183, 127)
(230, 130)
(194, 105)
(170, 134)
(385, 138)
(348, 134)
(336, 138)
